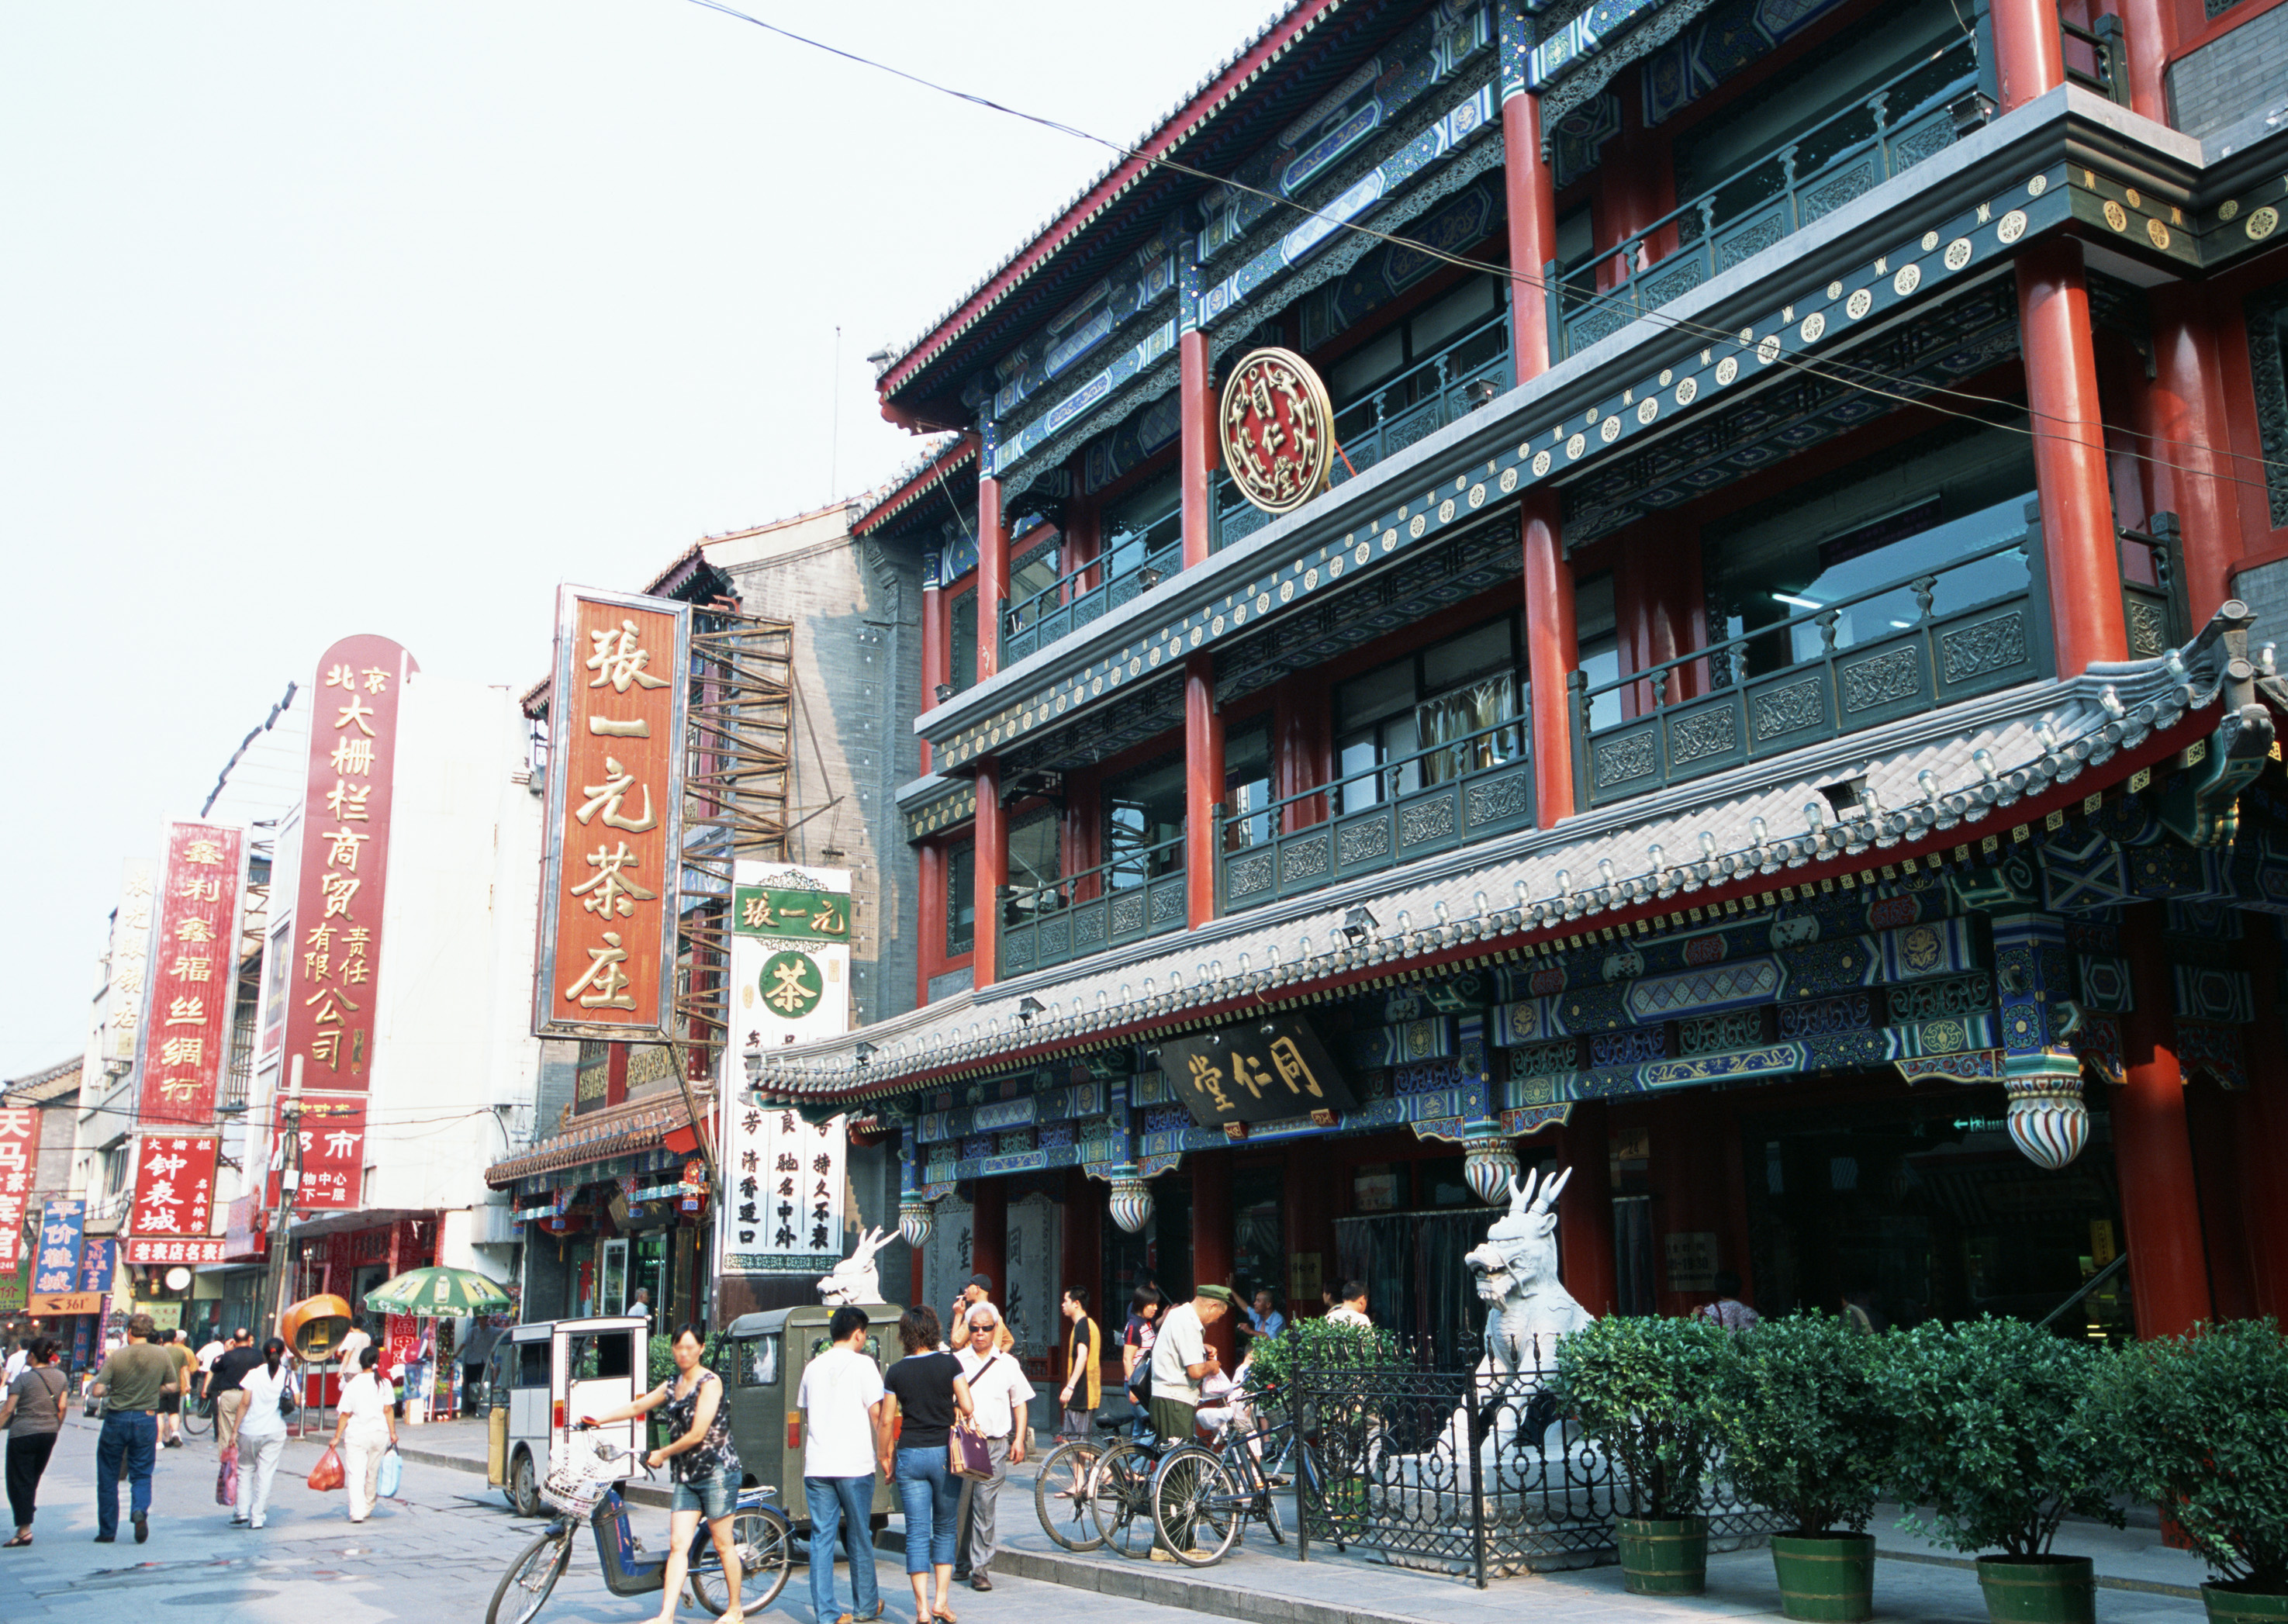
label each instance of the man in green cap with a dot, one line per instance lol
(1181, 1359)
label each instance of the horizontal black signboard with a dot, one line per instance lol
(1254, 1071)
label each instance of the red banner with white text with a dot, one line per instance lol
(190, 975)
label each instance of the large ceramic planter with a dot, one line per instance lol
(2039, 1589)
(1663, 1558)
(2227, 1605)
(1828, 1578)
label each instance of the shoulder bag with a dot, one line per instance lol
(967, 1453)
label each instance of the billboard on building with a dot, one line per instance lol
(20, 1150)
(328, 1163)
(191, 982)
(784, 1178)
(56, 1268)
(618, 712)
(131, 948)
(174, 1186)
(333, 953)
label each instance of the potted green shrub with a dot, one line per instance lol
(2198, 1425)
(1995, 1446)
(1639, 1388)
(1800, 1413)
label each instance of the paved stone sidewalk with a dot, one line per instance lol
(2143, 1582)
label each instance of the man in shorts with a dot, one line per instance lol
(1084, 1388)
(178, 1350)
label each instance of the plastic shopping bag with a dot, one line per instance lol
(393, 1468)
(227, 1478)
(327, 1474)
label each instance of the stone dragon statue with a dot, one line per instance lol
(855, 1279)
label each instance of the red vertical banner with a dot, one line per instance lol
(344, 866)
(191, 977)
(174, 1185)
(333, 1129)
(19, 1147)
(617, 715)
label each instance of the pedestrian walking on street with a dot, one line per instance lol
(223, 1388)
(170, 1405)
(130, 1384)
(1136, 1340)
(705, 1462)
(364, 1432)
(932, 1395)
(261, 1433)
(846, 1428)
(33, 1413)
(999, 1392)
(1181, 1359)
(1084, 1388)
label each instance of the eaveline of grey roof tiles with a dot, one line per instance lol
(2032, 737)
(899, 354)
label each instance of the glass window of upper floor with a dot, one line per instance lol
(1597, 637)
(1430, 715)
(1841, 559)
(1142, 522)
(960, 898)
(1036, 863)
(961, 640)
(1466, 319)
(1033, 563)
(1144, 823)
(1247, 791)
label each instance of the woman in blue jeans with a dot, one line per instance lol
(931, 1396)
(705, 1465)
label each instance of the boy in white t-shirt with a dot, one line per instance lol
(846, 1429)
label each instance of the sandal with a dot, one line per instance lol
(21, 1538)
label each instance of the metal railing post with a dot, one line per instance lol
(1477, 1485)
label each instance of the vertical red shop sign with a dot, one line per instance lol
(332, 1126)
(190, 975)
(174, 1185)
(617, 713)
(19, 1144)
(335, 949)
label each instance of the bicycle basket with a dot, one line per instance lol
(577, 1478)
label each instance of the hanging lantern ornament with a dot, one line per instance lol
(1489, 1161)
(915, 1218)
(1131, 1199)
(2048, 1121)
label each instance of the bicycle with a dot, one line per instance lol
(1064, 1511)
(588, 1492)
(1200, 1496)
(1118, 1495)
(198, 1416)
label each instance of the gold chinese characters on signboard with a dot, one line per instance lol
(1277, 430)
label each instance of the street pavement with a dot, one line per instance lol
(435, 1553)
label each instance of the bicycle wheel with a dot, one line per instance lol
(1196, 1505)
(760, 1537)
(198, 1418)
(529, 1579)
(1120, 1499)
(1061, 1492)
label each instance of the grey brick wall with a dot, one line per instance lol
(856, 609)
(2236, 74)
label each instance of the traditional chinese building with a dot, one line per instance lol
(803, 640)
(1680, 589)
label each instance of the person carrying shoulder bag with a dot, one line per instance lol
(364, 1433)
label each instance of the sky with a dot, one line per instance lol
(320, 318)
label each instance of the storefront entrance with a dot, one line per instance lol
(1923, 1208)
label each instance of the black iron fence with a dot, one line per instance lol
(1468, 1472)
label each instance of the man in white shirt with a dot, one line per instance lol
(1351, 1307)
(640, 1306)
(1181, 1359)
(354, 1341)
(999, 1390)
(846, 1427)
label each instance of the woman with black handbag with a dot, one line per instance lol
(33, 1414)
(934, 1402)
(262, 1432)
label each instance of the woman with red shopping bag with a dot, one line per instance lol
(365, 1432)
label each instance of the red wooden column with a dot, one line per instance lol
(2185, 419)
(1551, 650)
(992, 870)
(1531, 191)
(1196, 458)
(935, 667)
(1202, 788)
(2079, 544)
(2028, 52)
(1584, 1209)
(992, 576)
(988, 1239)
(2263, 1138)
(2145, 34)
(2152, 1150)
(1211, 1242)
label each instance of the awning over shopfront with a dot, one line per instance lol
(635, 1128)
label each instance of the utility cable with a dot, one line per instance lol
(1904, 391)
